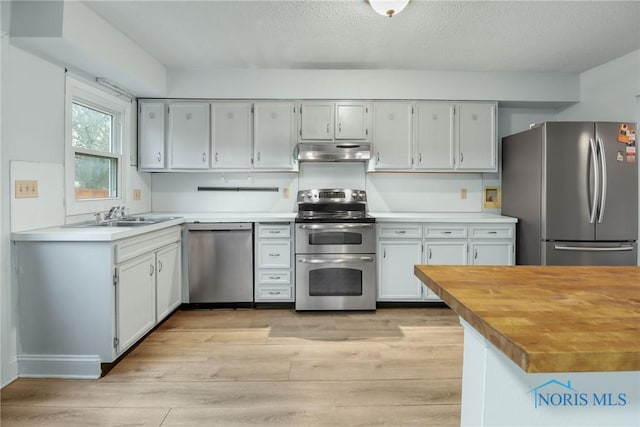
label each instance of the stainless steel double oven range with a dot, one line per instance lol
(335, 251)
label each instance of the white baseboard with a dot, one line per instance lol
(58, 366)
(11, 373)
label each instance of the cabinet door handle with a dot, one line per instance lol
(475, 254)
(429, 253)
(384, 253)
(339, 127)
(204, 157)
(327, 127)
(378, 157)
(151, 269)
(258, 157)
(159, 266)
(159, 156)
(461, 157)
(216, 157)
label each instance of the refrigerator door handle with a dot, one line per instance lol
(594, 248)
(596, 188)
(603, 171)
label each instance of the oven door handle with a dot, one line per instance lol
(335, 261)
(334, 226)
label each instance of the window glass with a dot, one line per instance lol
(92, 129)
(96, 177)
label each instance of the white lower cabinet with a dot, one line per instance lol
(492, 244)
(84, 303)
(443, 252)
(274, 263)
(396, 281)
(403, 245)
(168, 280)
(136, 303)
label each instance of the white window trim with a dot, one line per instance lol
(84, 93)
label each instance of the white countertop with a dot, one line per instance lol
(87, 234)
(477, 217)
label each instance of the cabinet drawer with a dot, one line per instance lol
(266, 231)
(274, 254)
(131, 248)
(274, 277)
(405, 231)
(489, 232)
(445, 232)
(274, 293)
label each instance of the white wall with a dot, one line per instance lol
(374, 84)
(607, 92)
(33, 93)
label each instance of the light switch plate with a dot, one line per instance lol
(27, 189)
(137, 194)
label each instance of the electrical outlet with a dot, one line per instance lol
(27, 189)
(463, 193)
(285, 193)
(137, 194)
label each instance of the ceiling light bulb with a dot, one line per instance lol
(388, 7)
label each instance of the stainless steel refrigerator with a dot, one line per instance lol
(574, 188)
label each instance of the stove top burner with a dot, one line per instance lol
(333, 206)
(334, 217)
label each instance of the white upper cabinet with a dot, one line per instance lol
(334, 121)
(316, 121)
(392, 135)
(435, 136)
(151, 135)
(274, 128)
(231, 135)
(477, 137)
(352, 121)
(189, 135)
(446, 137)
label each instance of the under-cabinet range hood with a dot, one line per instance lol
(332, 152)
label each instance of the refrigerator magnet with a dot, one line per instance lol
(620, 156)
(631, 154)
(623, 133)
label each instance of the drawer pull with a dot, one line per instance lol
(274, 255)
(274, 231)
(401, 232)
(493, 232)
(275, 277)
(274, 292)
(446, 232)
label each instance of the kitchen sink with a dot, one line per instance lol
(134, 221)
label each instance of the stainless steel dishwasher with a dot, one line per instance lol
(220, 264)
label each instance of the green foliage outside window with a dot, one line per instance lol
(95, 175)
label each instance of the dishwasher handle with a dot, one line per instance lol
(220, 226)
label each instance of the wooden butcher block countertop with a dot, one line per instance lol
(548, 319)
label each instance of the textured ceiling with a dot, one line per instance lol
(547, 36)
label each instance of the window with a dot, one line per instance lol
(96, 159)
(94, 148)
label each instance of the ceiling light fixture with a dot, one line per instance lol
(388, 7)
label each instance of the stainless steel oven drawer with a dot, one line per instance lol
(341, 238)
(335, 282)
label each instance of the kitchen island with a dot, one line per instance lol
(545, 346)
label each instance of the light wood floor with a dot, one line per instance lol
(266, 367)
